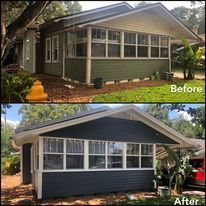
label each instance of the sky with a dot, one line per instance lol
(14, 118)
(87, 5)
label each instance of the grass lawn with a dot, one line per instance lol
(160, 201)
(156, 94)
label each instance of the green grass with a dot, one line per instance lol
(159, 201)
(156, 94)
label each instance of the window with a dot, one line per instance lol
(48, 50)
(53, 153)
(27, 49)
(98, 42)
(146, 156)
(164, 47)
(74, 154)
(129, 44)
(154, 46)
(81, 43)
(55, 48)
(142, 50)
(132, 155)
(71, 44)
(96, 155)
(115, 155)
(113, 44)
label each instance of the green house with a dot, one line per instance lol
(118, 43)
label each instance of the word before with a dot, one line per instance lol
(185, 201)
(175, 88)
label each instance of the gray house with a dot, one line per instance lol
(118, 43)
(98, 151)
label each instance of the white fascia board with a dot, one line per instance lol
(143, 9)
(94, 11)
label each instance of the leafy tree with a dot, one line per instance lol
(159, 112)
(35, 113)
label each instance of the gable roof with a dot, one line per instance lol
(26, 135)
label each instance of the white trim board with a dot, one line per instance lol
(144, 117)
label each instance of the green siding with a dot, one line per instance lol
(28, 64)
(75, 69)
(124, 69)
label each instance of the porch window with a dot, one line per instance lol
(96, 155)
(146, 156)
(81, 43)
(98, 42)
(164, 47)
(154, 46)
(27, 49)
(142, 49)
(53, 153)
(55, 48)
(113, 44)
(74, 154)
(129, 44)
(115, 155)
(71, 44)
(132, 155)
(48, 50)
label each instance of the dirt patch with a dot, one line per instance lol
(60, 90)
(197, 76)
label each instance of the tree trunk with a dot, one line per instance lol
(178, 184)
(21, 23)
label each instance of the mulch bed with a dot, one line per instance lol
(58, 90)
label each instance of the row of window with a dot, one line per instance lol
(101, 155)
(107, 43)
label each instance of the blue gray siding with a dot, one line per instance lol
(113, 129)
(65, 184)
(26, 163)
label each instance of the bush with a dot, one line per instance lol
(157, 75)
(15, 86)
(10, 165)
(98, 83)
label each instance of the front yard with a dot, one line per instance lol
(12, 192)
(156, 94)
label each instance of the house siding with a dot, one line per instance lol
(66, 184)
(75, 69)
(112, 129)
(124, 69)
(28, 64)
(26, 164)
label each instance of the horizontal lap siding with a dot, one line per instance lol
(64, 184)
(75, 69)
(118, 69)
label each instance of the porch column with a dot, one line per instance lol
(63, 58)
(122, 45)
(169, 54)
(39, 195)
(88, 63)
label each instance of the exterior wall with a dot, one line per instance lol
(26, 163)
(28, 64)
(66, 184)
(124, 69)
(112, 129)
(75, 69)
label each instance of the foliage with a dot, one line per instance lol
(10, 165)
(188, 59)
(35, 113)
(178, 168)
(15, 86)
(156, 94)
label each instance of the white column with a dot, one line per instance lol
(149, 49)
(64, 155)
(140, 156)
(86, 155)
(154, 165)
(124, 155)
(34, 53)
(21, 163)
(88, 63)
(39, 195)
(169, 54)
(122, 45)
(63, 58)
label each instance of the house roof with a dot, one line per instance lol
(29, 134)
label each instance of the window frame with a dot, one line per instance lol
(73, 44)
(86, 156)
(55, 37)
(129, 155)
(46, 49)
(27, 49)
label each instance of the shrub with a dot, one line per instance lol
(98, 83)
(10, 165)
(157, 75)
(15, 86)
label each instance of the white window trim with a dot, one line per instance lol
(49, 38)
(55, 37)
(27, 49)
(86, 156)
